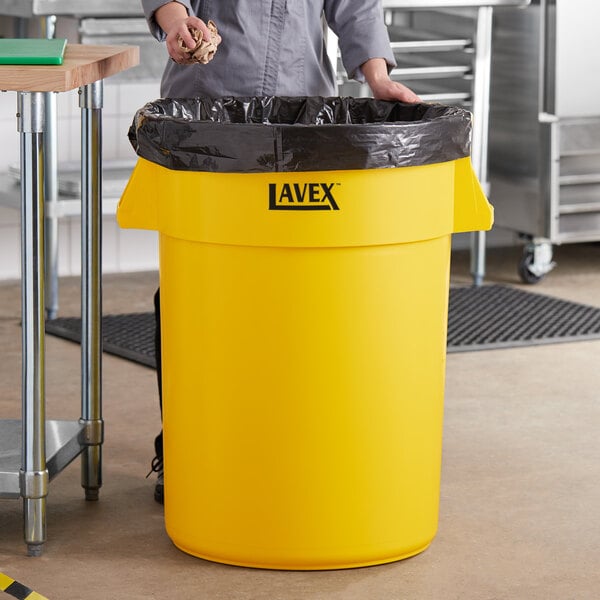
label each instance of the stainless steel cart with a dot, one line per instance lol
(545, 128)
(33, 450)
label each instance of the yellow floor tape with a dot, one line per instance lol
(18, 590)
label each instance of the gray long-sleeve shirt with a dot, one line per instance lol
(275, 47)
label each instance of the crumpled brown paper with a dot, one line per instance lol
(204, 51)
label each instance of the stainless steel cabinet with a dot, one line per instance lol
(545, 127)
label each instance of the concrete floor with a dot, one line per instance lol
(520, 495)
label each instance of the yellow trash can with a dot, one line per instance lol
(304, 318)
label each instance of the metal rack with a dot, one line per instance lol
(33, 450)
(444, 53)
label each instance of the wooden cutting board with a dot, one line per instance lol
(32, 51)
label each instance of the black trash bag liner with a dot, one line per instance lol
(278, 134)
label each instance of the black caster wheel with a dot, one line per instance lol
(524, 269)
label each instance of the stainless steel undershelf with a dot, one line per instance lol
(62, 446)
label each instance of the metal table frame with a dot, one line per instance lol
(33, 449)
(68, 439)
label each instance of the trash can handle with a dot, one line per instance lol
(133, 213)
(472, 211)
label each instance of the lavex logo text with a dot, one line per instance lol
(302, 196)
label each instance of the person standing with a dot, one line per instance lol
(269, 48)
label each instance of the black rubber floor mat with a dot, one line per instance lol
(129, 336)
(496, 316)
(479, 318)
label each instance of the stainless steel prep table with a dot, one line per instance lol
(33, 450)
(480, 96)
(96, 19)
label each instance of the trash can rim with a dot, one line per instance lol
(270, 134)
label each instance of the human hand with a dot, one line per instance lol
(394, 90)
(183, 41)
(203, 52)
(173, 19)
(382, 86)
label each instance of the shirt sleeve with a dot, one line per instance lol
(151, 6)
(362, 33)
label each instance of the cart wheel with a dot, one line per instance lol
(525, 273)
(537, 260)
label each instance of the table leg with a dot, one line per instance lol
(33, 474)
(51, 191)
(481, 107)
(90, 102)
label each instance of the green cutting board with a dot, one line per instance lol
(32, 51)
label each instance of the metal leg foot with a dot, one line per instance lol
(91, 472)
(91, 459)
(34, 524)
(92, 495)
(35, 549)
